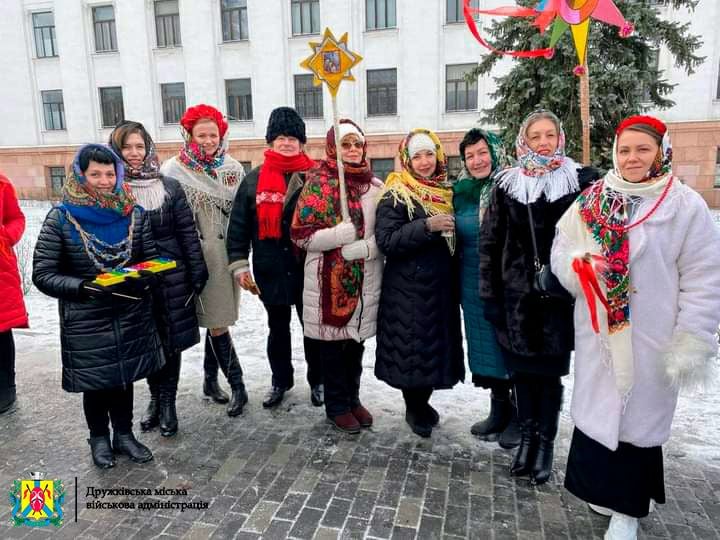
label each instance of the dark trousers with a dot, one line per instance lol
(7, 369)
(117, 403)
(416, 398)
(279, 349)
(342, 368)
(539, 399)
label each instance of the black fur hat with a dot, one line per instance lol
(285, 121)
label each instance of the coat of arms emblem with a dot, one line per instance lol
(37, 502)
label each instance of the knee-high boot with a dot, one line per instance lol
(227, 359)
(211, 387)
(168, 395)
(525, 455)
(151, 418)
(550, 404)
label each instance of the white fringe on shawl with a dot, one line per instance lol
(554, 185)
(150, 194)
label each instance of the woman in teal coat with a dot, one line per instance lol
(481, 153)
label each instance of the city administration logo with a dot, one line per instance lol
(37, 502)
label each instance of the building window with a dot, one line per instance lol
(454, 165)
(234, 19)
(247, 166)
(53, 109)
(460, 95)
(44, 30)
(239, 99)
(104, 21)
(167, 23)
(455, 10)
(381, 167)
(380, 14)
(305, 16)
(308, 97)
(173, 102)
(111, 105)
(57, 179)
(717, 168)
(382, 91)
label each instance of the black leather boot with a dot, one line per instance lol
(510, 436)
(550, 404)
(102, 454)
(527, 450)
(151, 418)
(227, 359)
(211, 387)
(496, 422)
(168, 395)
(127, 444)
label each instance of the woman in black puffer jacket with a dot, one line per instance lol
(176, 238)
(108, 335)
(419, 341)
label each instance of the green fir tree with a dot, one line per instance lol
(623, 80)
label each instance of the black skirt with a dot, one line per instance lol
(624, 480)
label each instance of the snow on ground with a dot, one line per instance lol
(696, 430)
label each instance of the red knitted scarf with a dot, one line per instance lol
(271, 190)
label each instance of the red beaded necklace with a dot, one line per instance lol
(622, 229)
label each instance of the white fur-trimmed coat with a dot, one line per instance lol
(674, 314)
(363, 323)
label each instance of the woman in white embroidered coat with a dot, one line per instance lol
(210, 178)
(343, 271)
(638, 249)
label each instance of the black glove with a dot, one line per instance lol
(588, 175)
(494, 314)
(93, 290)
(140, 285)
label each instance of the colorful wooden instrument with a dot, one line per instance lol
(118, 276)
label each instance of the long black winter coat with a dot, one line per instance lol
(419, 341)
(176, 237)
(539, 329)
(276, 266)
(105, 343)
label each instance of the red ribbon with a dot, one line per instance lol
(505, 12)
(591, 288)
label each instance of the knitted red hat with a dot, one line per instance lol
(198, 112)
(651, 121)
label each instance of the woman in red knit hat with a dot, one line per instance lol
(210, 178)
(12, 307)
(640, 251)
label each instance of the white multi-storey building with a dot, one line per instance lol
(73, 68)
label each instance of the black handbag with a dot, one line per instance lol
(545, 283)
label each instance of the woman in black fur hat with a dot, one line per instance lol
(260, 222)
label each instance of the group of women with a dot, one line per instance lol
(537, 256)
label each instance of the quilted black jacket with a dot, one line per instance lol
(104, 343)
(419, 341)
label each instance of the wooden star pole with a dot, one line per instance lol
(331, 62)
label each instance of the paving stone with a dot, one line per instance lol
(408, 513)
(403, 533)
(456, 520)
(278, 529)
(323, 533)
(306, 523)
(355, 528)
(381, 524)
(261, 516)
(363, 504)
(336, 513)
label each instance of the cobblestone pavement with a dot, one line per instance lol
(286, 473)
